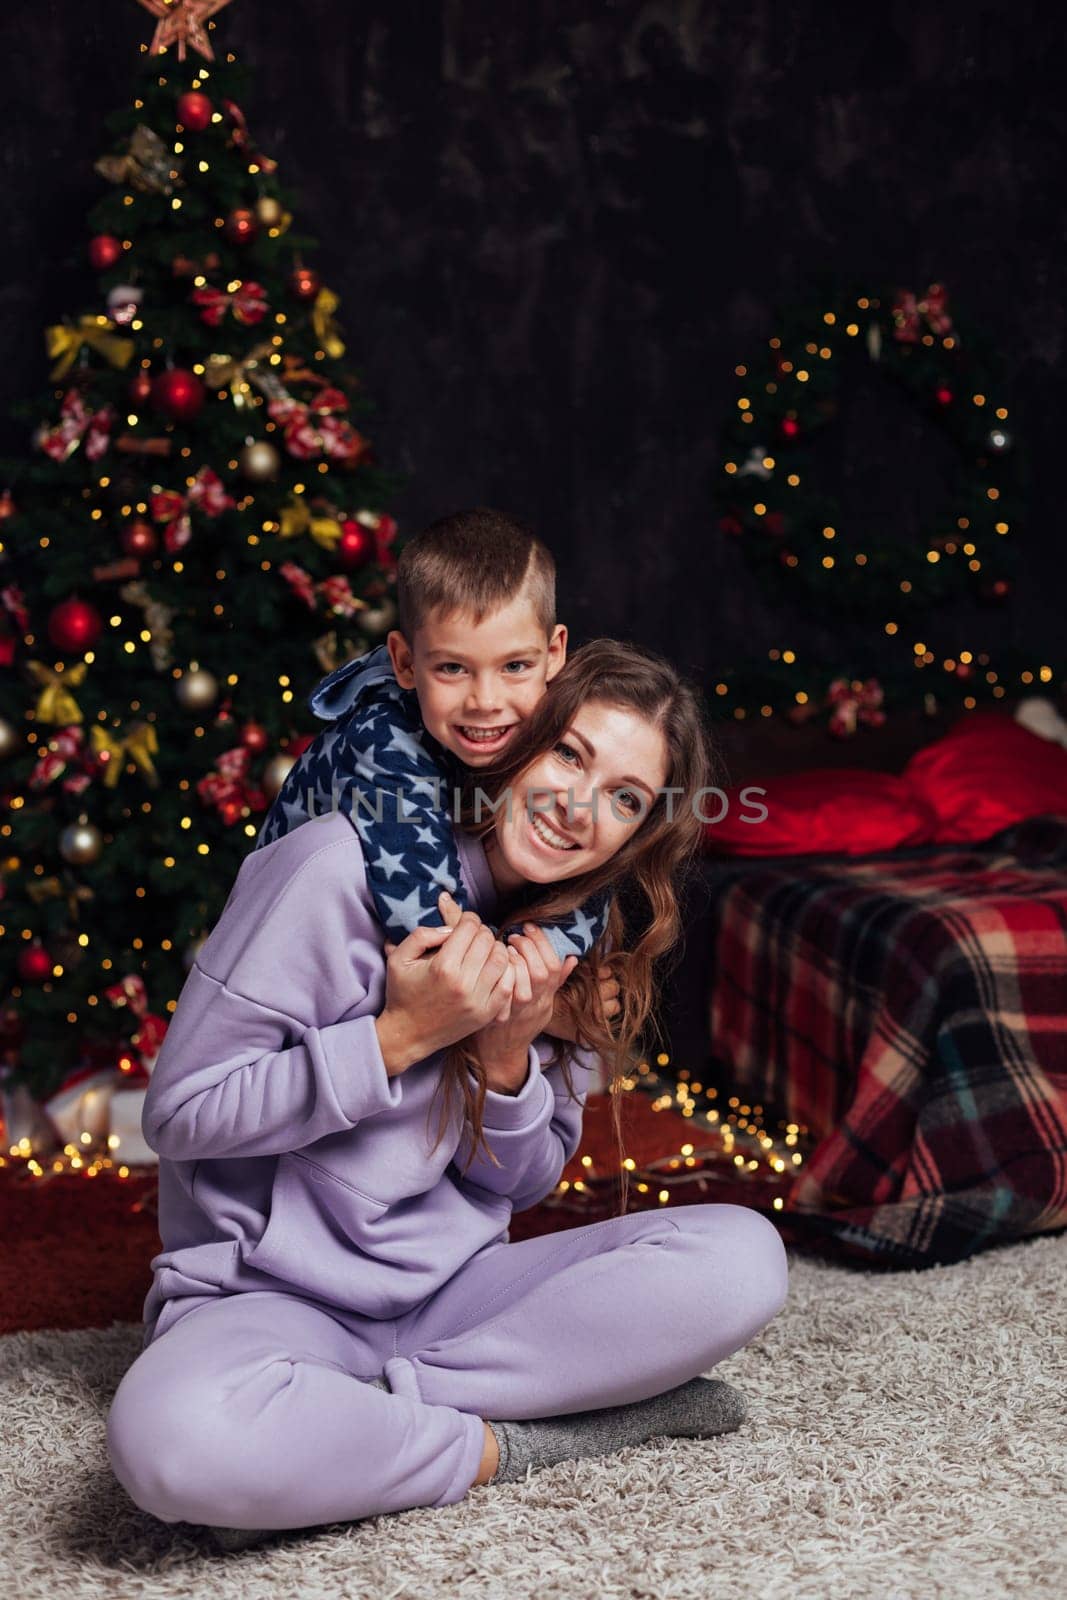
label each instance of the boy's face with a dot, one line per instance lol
(477, 681)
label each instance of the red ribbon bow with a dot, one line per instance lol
(77, 423)
(313, 429)
(909, 314)
(335, 591)
(248, 303)
(228, 788)
(854, 702)
(243, 139)
(14, 604)
(66, 748)
(300, 582)
(206, 494)
(130, 991)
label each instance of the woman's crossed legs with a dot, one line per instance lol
(249, 1411)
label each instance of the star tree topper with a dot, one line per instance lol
(181, 22)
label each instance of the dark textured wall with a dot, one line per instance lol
(556, 227)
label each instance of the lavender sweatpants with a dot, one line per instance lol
(250, 1412)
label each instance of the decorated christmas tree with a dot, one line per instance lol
(194, 536)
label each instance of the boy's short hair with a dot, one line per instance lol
(473, 561)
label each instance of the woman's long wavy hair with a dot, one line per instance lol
(649, 868)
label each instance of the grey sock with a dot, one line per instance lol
(698, 1409)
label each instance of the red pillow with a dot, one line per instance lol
(844, 811)
(986, 774)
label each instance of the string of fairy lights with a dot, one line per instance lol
(732, 1140)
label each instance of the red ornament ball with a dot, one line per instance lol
(74, 626)
(104, 251)
(943, 395)
(8, 507)
(34, 964)
(178, 394)
(999, 589)
(356, 544)
(254, 737)
(241, 226)
(194, 111)
(139, 538)
(305, 283)
(790, 427)
(140, 390)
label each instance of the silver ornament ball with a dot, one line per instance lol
(259, 461)
(81, 843)
(376, 621)
(275, 773)
(123, 303)
(10, 739)
(197, 689)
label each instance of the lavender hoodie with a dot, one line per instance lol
(289, 1159)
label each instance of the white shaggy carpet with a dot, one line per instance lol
(906, 1441)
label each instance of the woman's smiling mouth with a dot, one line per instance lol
(547, 836)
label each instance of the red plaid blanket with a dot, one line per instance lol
(911, 1011)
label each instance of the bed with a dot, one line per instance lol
(908, 1009)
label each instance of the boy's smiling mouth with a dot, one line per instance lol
(482, 739)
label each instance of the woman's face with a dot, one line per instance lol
(579, 803)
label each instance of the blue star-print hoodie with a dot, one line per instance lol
(377, 764)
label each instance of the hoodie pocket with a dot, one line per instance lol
(313, 1236)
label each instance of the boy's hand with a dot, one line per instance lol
(561, 1025)
(442, 984)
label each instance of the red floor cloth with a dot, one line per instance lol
(75, 1251)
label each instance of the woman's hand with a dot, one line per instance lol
(562, 1024)
(441, 984)
(503, 1045)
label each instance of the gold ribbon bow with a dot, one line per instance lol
(327, 331)
(56, 703)
(140, 745)
(238, 372)
(64, 341)
(296, 519)
(146, 164)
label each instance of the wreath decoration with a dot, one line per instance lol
(791, 526)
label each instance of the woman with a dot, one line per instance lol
(338, 1325)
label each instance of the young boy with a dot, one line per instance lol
(476, 645)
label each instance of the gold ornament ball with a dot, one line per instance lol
(376, 621)
(269, 210)
(81, 843)
(275, 773)
(259, 461)
(197, 689)
(9, 738)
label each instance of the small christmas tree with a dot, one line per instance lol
(195, 538)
